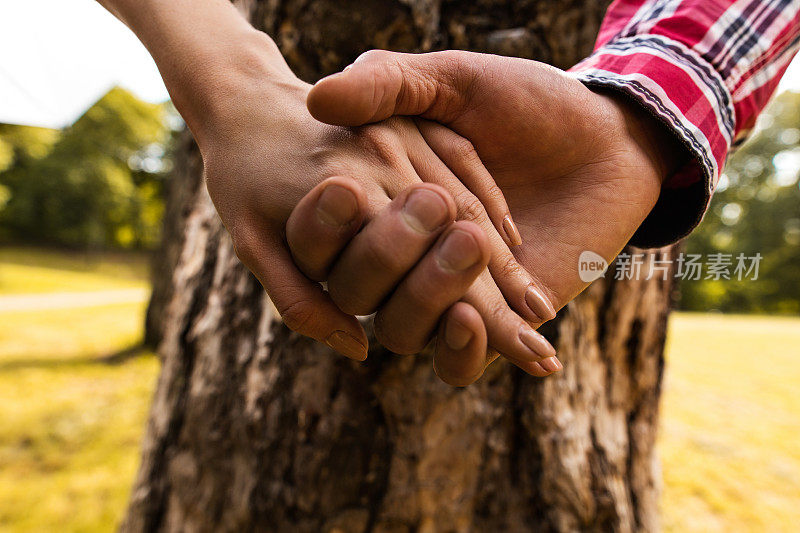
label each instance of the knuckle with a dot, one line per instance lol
(456, 377)
(350, 298)
(470, 207)
(499, 312)
(399, 342)
(462, 81)
(382, 141)
(463, 149)
(419, 88)
(297, 315)
(375, 55)
(428, 298)
(246, 237)
(350, 303)
(245, 249)
(377, 253)
(508, 266)
(494, 195)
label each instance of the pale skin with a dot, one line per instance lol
(402, 218)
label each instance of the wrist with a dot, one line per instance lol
(653, 137)
(209, 56)
(229, 82)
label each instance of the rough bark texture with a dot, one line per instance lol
(253, 428)
(180, 194)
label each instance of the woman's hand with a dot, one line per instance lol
(263, 152)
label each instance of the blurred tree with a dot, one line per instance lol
(20, 147)
(253, 428)
(97, 183)
(756, 210)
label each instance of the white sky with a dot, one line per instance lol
(57, 57)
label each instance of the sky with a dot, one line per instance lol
(57, 57)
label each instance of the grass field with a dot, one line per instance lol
(25, 271)
(71, 422)
(731, 423)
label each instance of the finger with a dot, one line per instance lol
(462, 159)
(322, 224)
(460, 356)
(381, 84)
(304, 306)
(517, 284)
(540, 369)
(543, 368)
(507, 332)
(406, 322)
(388, 247)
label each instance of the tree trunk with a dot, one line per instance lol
(179, 197)
(253, 428)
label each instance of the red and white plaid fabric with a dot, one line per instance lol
(706, 69)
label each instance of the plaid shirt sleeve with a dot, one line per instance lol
(705, 69)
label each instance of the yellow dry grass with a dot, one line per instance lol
(71, 424)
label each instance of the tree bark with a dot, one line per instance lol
(253, 428)
(179, 197)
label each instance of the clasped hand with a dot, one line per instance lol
(406, 217)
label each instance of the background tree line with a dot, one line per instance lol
(95, 184)
(756, 209)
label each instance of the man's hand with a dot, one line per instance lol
(580, 170)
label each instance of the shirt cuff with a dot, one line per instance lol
(681, 90)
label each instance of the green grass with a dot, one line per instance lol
(71, 423)
(29, 270)
(730, 424)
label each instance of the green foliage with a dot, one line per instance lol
(24, 143)
(95, 184)
(756, 209)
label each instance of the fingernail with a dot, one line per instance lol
(337, 206)
(348, 67)
(535, 342)
(424, 210)
(456, 336)
(512, 233)
(347, 345)
(539, 304)
(458, 252)
(551, 364)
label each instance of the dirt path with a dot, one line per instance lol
(67, 300)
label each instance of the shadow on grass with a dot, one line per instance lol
(113, 358)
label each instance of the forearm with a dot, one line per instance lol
(206, 52)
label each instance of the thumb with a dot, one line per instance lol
(381, 84)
